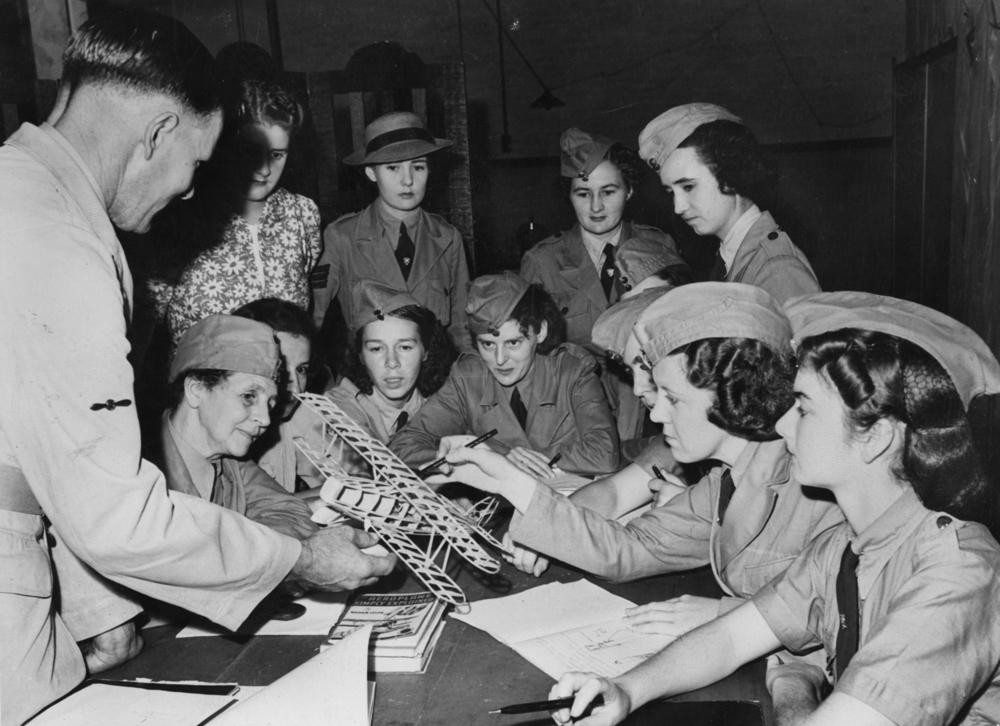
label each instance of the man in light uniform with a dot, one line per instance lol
(137, 115)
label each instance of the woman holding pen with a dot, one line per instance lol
(720, 361)
(903, 594)
(543, 395)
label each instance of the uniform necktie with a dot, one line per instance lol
(847, 606)
(401, 421)
(404, 252)
(725, 494)
(517, 406)
(718, 273)
(608, 271)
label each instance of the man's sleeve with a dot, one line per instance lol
(68, 415)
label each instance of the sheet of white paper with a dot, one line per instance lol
(544, 610)
(607, 649)
(322, 612)
(329, 688)
(566, 627)
(114, 705)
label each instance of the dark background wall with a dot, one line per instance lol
(812, 78)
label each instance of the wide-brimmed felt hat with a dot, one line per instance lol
(661, 136)
(373, 300)
(492, 299)
(228, 343)
(964, 355)
(703, 310)
(396, 136)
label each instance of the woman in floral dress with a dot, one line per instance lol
(269, 247)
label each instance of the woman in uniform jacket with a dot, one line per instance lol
(577, 267)
(720, 179)
(542, 395)
(222, 388)
(902, 595)
(393, 240)
(720, 360)
(398, 357)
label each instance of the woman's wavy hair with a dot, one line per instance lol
(438, 346)
(535, 307)
(730, 150)
(266, 102)
(751, 381)
(878, 376)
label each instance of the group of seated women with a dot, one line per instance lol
(837, 490)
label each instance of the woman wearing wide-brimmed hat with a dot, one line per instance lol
(393, 240)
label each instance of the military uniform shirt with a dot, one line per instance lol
(930, 627)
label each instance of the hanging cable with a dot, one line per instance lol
(801, 91)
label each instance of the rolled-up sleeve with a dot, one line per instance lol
(937, 646)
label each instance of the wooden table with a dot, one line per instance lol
(469, 673)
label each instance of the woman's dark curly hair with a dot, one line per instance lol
(752, 384)
(208, 377)
(535, 307)
(879, 376)
(628, 163)
(438, 346)
(739, 164)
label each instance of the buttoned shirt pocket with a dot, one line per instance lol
(27, 569)
(746, 580)
(437, 298)
(578, 311)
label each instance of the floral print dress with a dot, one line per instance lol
(270, 259)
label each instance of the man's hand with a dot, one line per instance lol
(673, 617)
(332, 559)
(111, 647)
(524, 559)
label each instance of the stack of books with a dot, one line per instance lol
(405, 629)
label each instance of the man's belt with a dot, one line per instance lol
(15, 494)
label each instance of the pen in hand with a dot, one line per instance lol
(553, 705)
(554, 460)
(657, 473)
(429, 469)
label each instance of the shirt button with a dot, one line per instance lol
(772, 236)
(943, 521)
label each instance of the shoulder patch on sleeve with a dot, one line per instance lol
(319, 276)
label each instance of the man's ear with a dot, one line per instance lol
(543, 331)
(157, 129)
(370, 173)
(884, 437)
